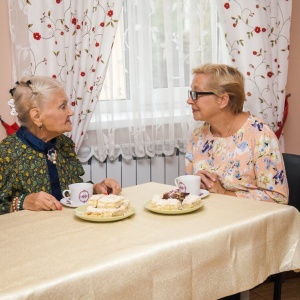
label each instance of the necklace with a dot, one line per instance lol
(52, 155)
(229, 128)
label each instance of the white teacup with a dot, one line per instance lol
(189, 184)
(78, 193)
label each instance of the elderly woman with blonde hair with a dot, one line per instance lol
(234, 152)
(38, 162)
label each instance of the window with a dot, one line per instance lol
(114, 86)
(155, 49)
(142, 108)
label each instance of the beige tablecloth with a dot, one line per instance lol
(229, 245)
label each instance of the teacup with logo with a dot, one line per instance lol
(78, 193)
(189, 184)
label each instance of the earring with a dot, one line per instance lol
(41, 127)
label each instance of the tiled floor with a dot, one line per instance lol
(290, 290)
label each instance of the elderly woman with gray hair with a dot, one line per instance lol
(38, 162)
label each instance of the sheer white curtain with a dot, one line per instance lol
(143, 108)
(258, 38)
(70, 40)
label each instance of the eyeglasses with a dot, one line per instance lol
(194, 95)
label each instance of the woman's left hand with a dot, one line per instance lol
(211, 182)
(216, 186)
(107, 186)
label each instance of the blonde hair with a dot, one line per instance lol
(33, 92)
(224, 79)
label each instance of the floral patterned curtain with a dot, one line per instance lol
(70, 40)
(258, 37)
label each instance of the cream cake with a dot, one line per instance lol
(165, 204)
(191, 201)
(107, 205)
(175, 200)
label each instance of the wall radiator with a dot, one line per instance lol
(161, 169)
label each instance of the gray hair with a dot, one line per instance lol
(31, 92)
(225, 79)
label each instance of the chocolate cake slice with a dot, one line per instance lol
(175, 194)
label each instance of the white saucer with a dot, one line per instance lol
(203, 193)
(66, 202)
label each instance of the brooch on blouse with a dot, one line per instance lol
(52, 155)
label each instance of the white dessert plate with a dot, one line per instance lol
(80, 213)
(173, 211)
(66, 202)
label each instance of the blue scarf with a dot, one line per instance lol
(35, 143)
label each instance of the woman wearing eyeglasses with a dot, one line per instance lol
(234, 152)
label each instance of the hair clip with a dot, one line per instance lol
(28, 83)
(31, 86)
(11, 91)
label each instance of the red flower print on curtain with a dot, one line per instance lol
(71, 40)
(258, 36)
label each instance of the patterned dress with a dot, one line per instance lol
(24, 170)
(248, 163)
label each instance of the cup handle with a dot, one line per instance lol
(176, 181)
(64, 193)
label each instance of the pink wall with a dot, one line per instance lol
(292, 127)
(5, 69)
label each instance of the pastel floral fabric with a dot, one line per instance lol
(71, 40)
(258, 38)
(24, 170)
(248, 162)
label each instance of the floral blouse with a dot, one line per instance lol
(24, 170)
(248, 163)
